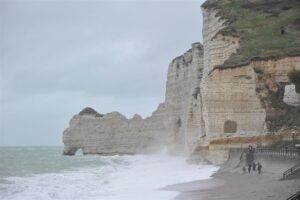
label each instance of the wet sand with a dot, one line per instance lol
(230, 183)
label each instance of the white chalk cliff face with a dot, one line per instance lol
(113, 133)
(207, 109)
(183, 101)
(229, 96)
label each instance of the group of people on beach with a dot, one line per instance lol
(250, 161)
(253, 166)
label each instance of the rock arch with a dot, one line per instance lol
(71, 151)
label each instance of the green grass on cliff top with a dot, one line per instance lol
(258, 24)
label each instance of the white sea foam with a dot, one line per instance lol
(136, 177)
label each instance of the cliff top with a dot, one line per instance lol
(90, 111)
(195, 45)
(266, 28)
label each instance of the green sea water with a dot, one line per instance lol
(27, 161)
(43, 173)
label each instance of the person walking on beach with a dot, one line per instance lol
(259, 166)
(249, 157)
(254, 166)
(244, 169)
(249, 168)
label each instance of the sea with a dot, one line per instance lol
(42, 173)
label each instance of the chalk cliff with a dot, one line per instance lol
(113, 133)
(238, 88)
(247, 96)
(183, 102)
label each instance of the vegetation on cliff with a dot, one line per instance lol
(90, 111)
(266, 28)
(294, 77)
(279, 114)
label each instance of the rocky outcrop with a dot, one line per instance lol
(113, 133)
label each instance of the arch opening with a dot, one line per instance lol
(78, 152)
(71, 151)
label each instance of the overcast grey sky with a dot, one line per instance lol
(57, 57)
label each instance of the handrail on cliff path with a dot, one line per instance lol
(291, 171)
(278, 151)
(272, 151)
(295, 196)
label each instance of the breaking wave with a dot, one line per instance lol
(115, 178)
